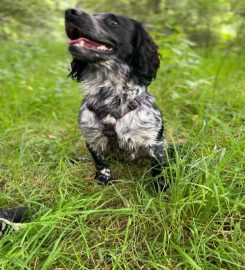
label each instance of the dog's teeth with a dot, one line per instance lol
(80, 44)
(102, 47)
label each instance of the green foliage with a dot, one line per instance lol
(204, 22)
(19, 19)
(197, 224)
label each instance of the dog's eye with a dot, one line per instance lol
(114, 23)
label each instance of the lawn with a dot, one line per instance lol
(198, 223)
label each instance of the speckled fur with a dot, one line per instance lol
(110, 82)
(108, 86)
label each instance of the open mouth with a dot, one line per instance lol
(89, 44)
(79, 41)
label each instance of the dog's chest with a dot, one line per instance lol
(135, 132)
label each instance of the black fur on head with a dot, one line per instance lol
(97, 38)
(77, 69)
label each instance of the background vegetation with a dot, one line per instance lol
(77, 224)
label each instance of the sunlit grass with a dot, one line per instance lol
(78, 224)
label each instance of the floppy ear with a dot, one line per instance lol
(146, 59)
(77, 69)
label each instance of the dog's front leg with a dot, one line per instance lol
(103, 173)
(158, 162)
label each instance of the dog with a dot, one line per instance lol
(116, 60)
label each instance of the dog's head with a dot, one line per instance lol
(100, 37)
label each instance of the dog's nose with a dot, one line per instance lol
(73, 12)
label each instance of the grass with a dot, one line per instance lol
(197, 224)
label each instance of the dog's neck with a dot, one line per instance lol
(110, 80)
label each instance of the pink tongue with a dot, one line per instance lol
(87, 42)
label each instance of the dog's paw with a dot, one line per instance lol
(160, 184)
(104, 176)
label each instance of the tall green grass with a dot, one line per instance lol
(78, 224)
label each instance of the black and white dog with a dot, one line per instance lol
(116, 60)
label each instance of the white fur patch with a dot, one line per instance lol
(137, 130)
(106, 172)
